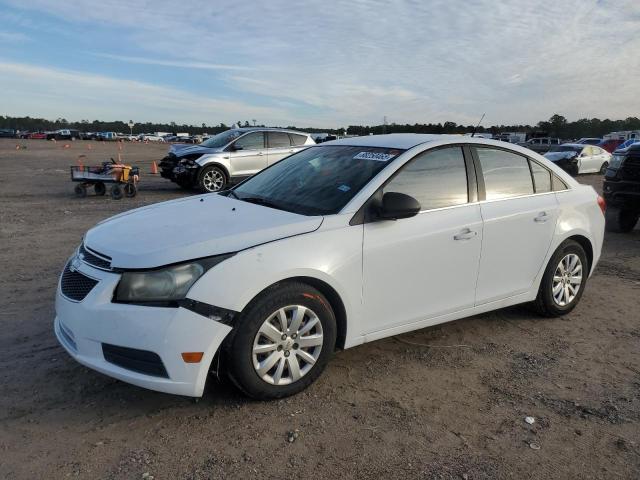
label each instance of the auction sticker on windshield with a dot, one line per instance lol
(380, 157)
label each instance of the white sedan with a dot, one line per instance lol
(577, 158)
(341, 244)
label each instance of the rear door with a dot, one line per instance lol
(248, 155)
(519, 222)
(279, 146)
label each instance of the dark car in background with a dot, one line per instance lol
(621, 189)
(541, 144)
(64, 134)
(7, 133)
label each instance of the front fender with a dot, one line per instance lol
(235, 282)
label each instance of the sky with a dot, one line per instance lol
(318, 63)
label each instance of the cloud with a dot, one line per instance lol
(171, 63)
(35, 90)
(11, 37)
(411, 61)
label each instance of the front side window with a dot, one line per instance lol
(278, 140)
(316, 181)
(506, 174)
(436, 178)
(251, 141)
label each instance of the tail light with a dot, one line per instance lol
(602, 204)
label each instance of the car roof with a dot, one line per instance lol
(403, 141)
(268, 129)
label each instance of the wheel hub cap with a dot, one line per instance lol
(287, 345)
(567, 280)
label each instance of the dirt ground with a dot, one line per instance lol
(389, 409)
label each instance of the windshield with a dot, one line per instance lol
(222, 139)
(567, 148)
(316, 181)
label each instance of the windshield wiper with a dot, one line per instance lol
(261, 201)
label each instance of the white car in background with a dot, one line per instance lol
(577, 158)
(150, 138)
(340, 244)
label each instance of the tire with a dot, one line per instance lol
(242, 363)
(116, 192)
(620, 220)
(80, 191)
(546, 303)
(99, 189)
(130, 190)
(212, 179)
(604, 167)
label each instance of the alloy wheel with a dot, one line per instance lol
(213, 180)
(287, 345)
(567, 279)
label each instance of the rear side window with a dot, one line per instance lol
(297, 139)
(505, 174)
(541, 178)
(558, 184)
(251, 141)
(278, 140)
(436, 179)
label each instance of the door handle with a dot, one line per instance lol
(541, 218)
(260, 154)
(465, 234)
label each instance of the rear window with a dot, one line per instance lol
(278, 140)
(297, 139)
(505, 174)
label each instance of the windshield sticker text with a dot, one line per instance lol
(380, 157)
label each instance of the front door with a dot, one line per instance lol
(518, 225)
(424, 266)
(248, 155)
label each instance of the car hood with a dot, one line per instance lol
(183, 149)
(194, 227)
(556, 156)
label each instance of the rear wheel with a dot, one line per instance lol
(80, 191)
(619, 220)
(212, 179)
(563, 281)
(100, 189)
(282, 342)
(116, 192)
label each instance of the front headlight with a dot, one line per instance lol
(168, 284)
(616, 161)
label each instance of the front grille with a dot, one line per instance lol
(141, 361)
(75, 285)
(631, 169)
(95, 259)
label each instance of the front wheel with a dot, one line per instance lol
(282, 341)
(620, 220)
(604, 167)
(212, 179)
(563, 281)
(130, 190)
(116, 192)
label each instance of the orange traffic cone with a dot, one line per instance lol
(154, 168)
(66, 145)
(89, 147)
(17, 147)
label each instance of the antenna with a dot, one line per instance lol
(476, 127)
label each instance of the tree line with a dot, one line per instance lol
(557, 126)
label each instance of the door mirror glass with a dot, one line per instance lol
(396, 205)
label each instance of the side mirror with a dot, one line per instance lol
(233, 147)
(397, 205)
